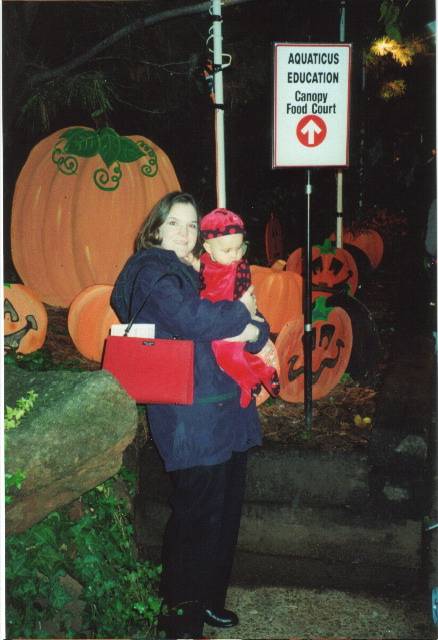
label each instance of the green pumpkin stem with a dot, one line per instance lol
(320, 310)
(326, 247)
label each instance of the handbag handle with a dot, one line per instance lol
(131, 322)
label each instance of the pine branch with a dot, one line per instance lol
(170, 14)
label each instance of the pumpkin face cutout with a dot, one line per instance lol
(369, 241)
(333, 269)
(273, 239)
(89, 320)
(331, 349)
(78, 204)
(24, 319)
(279, 295)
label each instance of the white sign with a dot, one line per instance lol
(311, 105)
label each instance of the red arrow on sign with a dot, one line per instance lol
(311, 131)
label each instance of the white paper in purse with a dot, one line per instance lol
(139, 330)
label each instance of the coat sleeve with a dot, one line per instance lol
(255, 347)
(178, 310)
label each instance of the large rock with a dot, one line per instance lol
(71, 441)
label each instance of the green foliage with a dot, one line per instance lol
(14, 415)
(12, 418)
(320, 309)
(97, 550)
(13, 481)
(90, 91)
(105, 141)
(390, 16)
(40, 360)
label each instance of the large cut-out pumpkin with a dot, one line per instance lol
(368, 240)
(331, 348)
(24, 319)
(279, 295)
(333, 269)
(89, 320)
(78, 204)
(273, 239)
(270, 357)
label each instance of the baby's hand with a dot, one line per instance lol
(249, 300)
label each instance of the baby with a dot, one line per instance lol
(225, 275)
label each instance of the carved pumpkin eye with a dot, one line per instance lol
(326, 335)
(335, 266)
(317, 265)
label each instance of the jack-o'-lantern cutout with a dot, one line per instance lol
(333, 269)
(331, 349)
(270, 357)
(24, 319)
(273, 239)
(367, 240)
(279, 295)
(89, 320)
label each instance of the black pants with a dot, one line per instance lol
(201, 534)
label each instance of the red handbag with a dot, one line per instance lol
(151, 370)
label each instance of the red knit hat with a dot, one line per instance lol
(221, 222)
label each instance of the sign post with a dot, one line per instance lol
(310, 129)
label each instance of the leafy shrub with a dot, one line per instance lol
(12, 418)
(97, 550)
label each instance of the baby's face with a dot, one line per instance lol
(226, 249)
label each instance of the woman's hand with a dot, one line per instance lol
(249, 334)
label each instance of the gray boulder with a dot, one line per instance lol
(72, 439)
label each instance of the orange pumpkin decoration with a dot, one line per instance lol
(270, 357)
(24, 319)
(367, 240)
(78, 204)
(279, 295)
(333, 269)
(89, 320)
(332, 341)
(273, 239)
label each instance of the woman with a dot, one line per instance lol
(203, 445)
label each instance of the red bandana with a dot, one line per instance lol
(221, 222)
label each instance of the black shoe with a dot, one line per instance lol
(221, 618)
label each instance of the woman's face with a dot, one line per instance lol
(179, 232)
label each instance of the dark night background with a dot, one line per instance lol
(155, 86)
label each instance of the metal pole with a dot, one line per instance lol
(219, 104)
(307, 342)
(339, 176)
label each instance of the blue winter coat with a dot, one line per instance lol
(209, 430)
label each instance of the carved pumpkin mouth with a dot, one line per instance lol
(326, 363)
(12, 340)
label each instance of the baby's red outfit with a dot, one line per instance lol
(229, 282)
